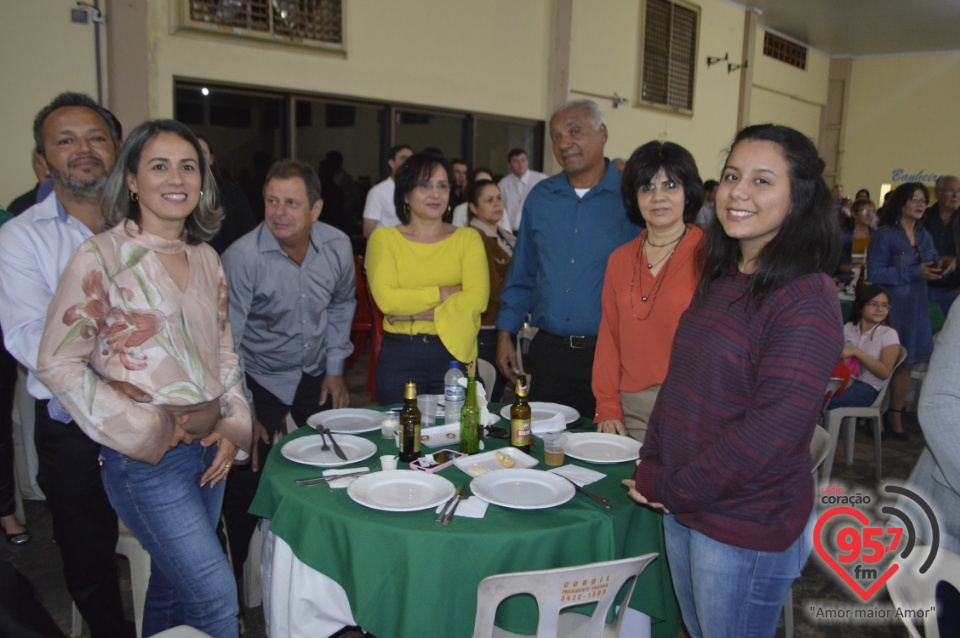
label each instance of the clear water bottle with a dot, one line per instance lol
(454, 394)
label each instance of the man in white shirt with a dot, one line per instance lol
(379, 209)
(709, 209)
(78, 142)
(515, 187)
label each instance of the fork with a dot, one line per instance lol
(464, 494)
(323, 439)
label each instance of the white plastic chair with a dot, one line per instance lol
(909, 589)
(819, 448)
(487, 374)
(129, 546)
(847, 417)
(183, 631)
(554, 587)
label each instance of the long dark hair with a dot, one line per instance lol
(868, 294)
(892, 209)
(676, 162)
(809, 239)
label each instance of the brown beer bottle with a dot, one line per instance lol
(409, 424)
(520, 417)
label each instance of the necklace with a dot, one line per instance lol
(646, 238)
(662, 276)
(651, 266)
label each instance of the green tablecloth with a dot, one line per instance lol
(404, 574)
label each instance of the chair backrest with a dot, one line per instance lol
(882, 401)
(363, 318)
(909, 589)
(819, 448)
(487, 374)
(558, 589)
(832, 386)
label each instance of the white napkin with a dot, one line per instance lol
(469, 507)
(556, 423)
(579, 475)
(344, 482)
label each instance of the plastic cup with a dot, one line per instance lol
(427, 403)
(388, 462)
(388, 426)
(553, 448)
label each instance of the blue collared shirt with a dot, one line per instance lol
(34, 249)
(561, 255)
(290, 319)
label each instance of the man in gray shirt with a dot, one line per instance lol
(293, 291)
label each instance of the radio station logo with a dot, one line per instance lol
(866, 553)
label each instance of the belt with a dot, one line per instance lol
(425, 338)
(577, 342)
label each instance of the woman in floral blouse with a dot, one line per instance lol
(138, 348)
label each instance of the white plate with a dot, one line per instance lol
(523, 489)
(400, 490)
(347, 420)
(540, 411)
(307, 450)
(597, 447)
(477, 464)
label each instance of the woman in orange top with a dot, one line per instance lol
(648, 285)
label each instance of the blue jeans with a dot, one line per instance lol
(175, 520)
(423, 358)
(857, 395)
(727, 591)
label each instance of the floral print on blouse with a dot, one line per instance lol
(118, 315)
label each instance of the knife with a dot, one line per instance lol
(464, 494)
(317, 480)
(598, 499)
(443, 512)
(336, 448)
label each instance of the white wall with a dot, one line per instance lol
(902, 118)
(605, 55)
(43, 54)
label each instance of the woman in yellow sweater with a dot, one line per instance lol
(429, 279)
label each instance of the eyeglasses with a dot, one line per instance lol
(916, 199)
(666, 187)
(878, 305)
(426, 187)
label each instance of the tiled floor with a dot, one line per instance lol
(39, 559)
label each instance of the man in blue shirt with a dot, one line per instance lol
(571, 223)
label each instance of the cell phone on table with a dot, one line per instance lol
(435, 461)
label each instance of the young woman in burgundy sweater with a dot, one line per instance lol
(727, 452)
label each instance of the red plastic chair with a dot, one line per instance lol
(376, 343)
(363, 320)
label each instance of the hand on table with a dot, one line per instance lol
(222, 462)
(640, 498)
(335, 387)
(613, 426)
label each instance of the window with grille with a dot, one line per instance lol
(669, 54)
(784, 50)
(312, 22)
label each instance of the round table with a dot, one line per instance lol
(403, 573)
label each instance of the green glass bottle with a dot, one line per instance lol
(409, 424)
(520, 417)
(470, 415)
